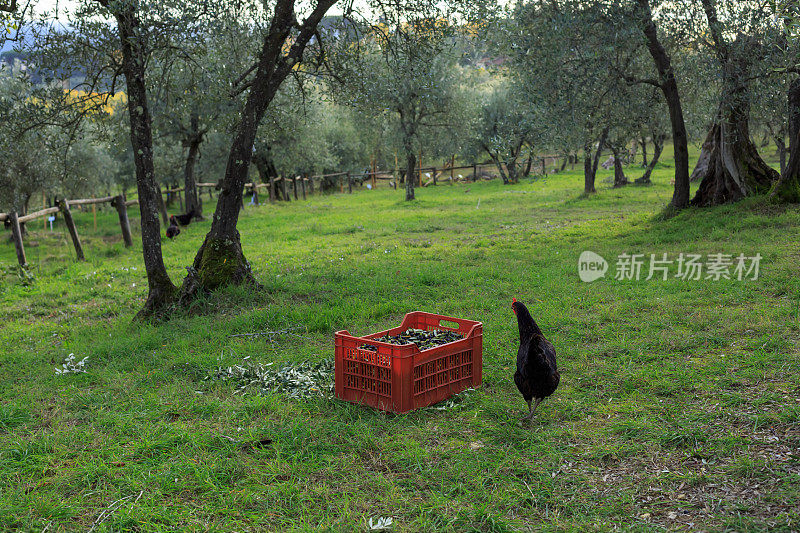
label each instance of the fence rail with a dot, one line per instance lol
(276, 186)
(63, 207)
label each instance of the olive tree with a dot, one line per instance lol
(403, 69)
(569, 66)
(734, 169)
(507, 126)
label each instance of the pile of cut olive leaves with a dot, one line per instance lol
(294, 380)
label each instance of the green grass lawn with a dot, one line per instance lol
(678, 406)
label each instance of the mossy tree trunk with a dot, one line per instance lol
(220, 260)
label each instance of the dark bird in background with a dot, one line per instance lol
(173, 230)
(537, 376)
(184, 219)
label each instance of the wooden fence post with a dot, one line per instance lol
(349, 184)
(544, 170)
(311, 184)
(294, 187)
(433, 173)
(452, 169)
(474, 172)
(272, 188)
(63, 206)
(16, 233)
(303, 186)
(119, 203)
(283, 188)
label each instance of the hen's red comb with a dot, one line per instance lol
(513, 300)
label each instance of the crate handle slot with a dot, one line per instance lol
(449, 324)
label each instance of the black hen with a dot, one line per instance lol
(173, 230)
(537, 376)
(183, 220)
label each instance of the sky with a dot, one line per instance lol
(49, 5)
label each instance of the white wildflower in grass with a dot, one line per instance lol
(383, 523)
(72, 366)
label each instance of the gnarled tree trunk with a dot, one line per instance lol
(704, 159)
(735, 169)
(788, 187)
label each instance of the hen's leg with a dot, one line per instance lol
(527, 417)
(533, 409)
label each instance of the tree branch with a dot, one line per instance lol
(720, 46)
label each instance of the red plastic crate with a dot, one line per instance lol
(401, 378)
